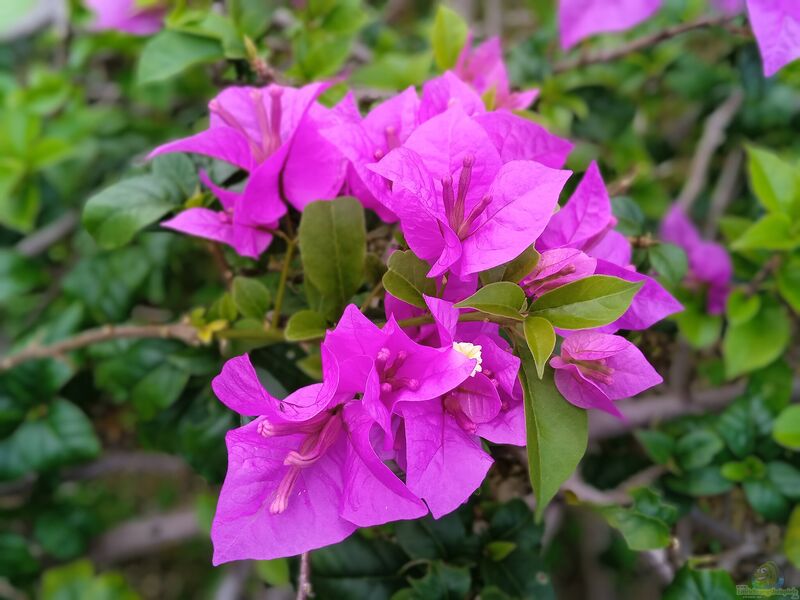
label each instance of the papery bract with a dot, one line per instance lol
(555, 268)
(459, 206)
(484, 69)
(225, 226)
(595, 369)
(125, 16)
(586, 223)
(709, 263)
(579, 19)
(387, 367)
(302, 476)
(272, 134)
(776, 25)
(363, 141)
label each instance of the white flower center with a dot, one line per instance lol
(472, 351)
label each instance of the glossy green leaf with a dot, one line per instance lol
(305, 325)
(701, 584)
(658, 445)
(406, 278)
(442, 582)
(706, 481)
(773, 231)
(332, 238)
(766, 499)
(786, 429)
(757, 342)
(788, 278)
(741, 307)
(557, 433)
(774, 181)
(669, 261)
(169, 53)
(541, 339)
(785, 477)
(699, 328)
(448, 37)
(502, 299)
(590, 302)
(640, 531)
(791, 540)
(117, 213)
(252, 298)
(698, 448)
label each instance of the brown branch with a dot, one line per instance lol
(643, 411)
(638, 44)
(39, 241)
(177, 331)
(145, 535)
(713, 136)
(724, 191)
(303, 580)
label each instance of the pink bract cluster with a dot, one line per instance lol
(126, 16)
(396, 429)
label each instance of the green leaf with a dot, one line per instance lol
(774, 181)
(791, 541)
(750, 468)
(499, 550)
(448, 37)
(771, 232)
(502, 299)
(357, 568)
(62, 435)
(706, 481)
(273, 572)
(305, 325)
(116, 214)
(658, 445)
(650, 503)
(61, 533)
(669, 261)
(77, 580)
(252, 298)
(442, 582)
(394, 70)
(432, 539)
(785, 478)
(16, 559)
(332, 247)
(406, 278)
(757, 342)
(557, 433)
(158, 390)
(740, 307)
(541, 339)
(630, 218)
(589, 302)
(514, 270)
(169, 53)
(766, 499)
(788, 278)
(698, 448)
(703, 584)
(640, 531)
(18, 275)
(786, 429)
(699, 328)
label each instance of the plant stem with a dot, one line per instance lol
(287, 264)
(372, 293)
(258, 335)
(303, 584)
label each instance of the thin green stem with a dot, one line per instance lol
(287, 264)
(372, 293)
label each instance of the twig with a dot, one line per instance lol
(303, 580)
(222, 264)
(768, 267)
(725, 190)
(112, 463)
(177, 331)
(638, 44)
(371, 296)
(287, 264)
(643, 411)
(712, 138)
(145, 535)
(39, 241)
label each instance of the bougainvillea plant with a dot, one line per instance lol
(414, 321)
